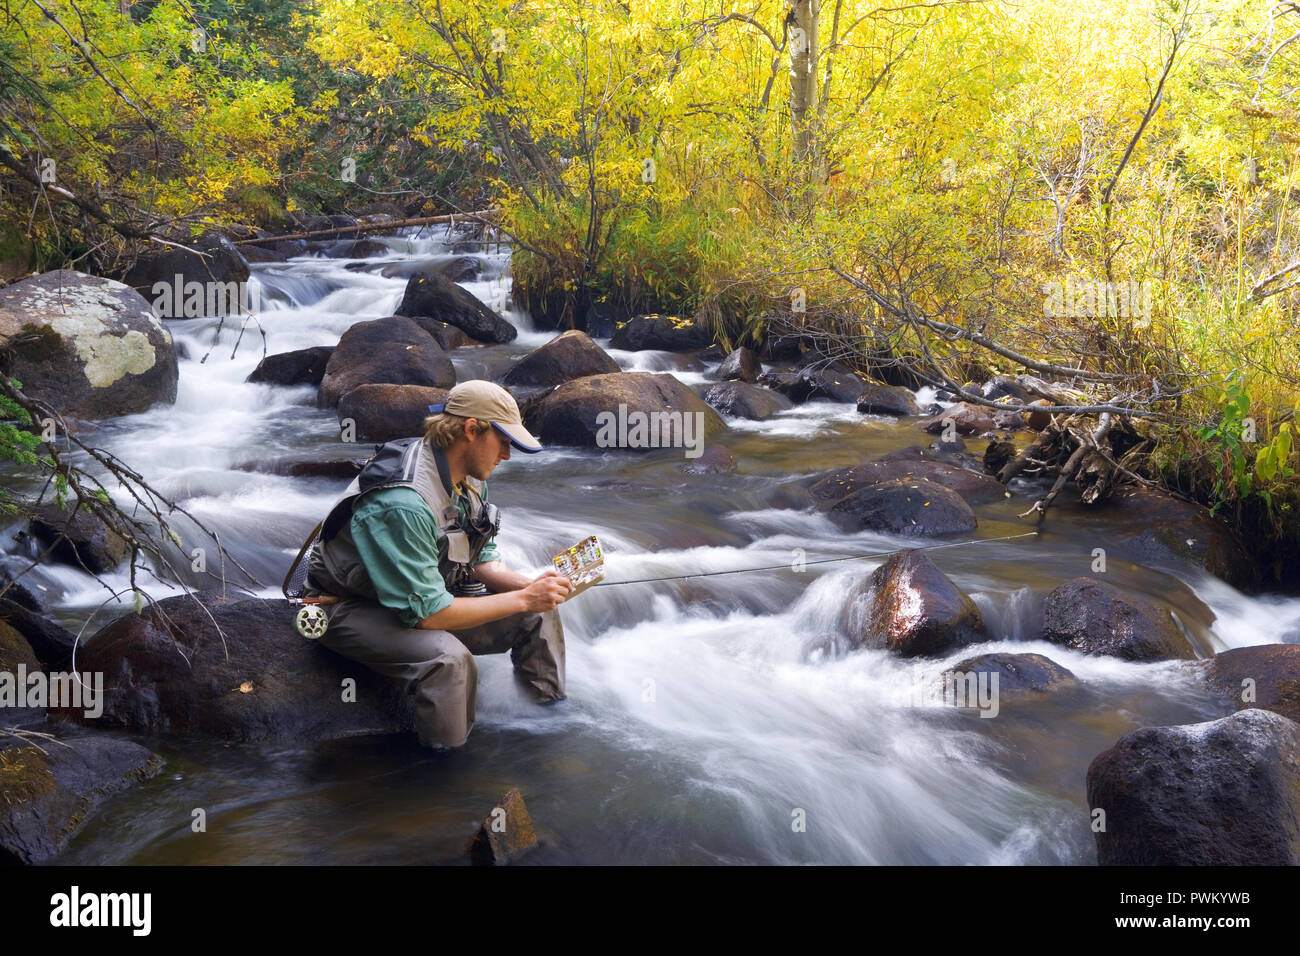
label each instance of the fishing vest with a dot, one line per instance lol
(335, 566)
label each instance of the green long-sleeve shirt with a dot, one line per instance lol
(397, 538)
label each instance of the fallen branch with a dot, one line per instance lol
(361, 227)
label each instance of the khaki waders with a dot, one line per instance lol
(438, 666)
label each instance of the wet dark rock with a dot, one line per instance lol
(90, 347)
(360, 249)
(714, 460)
(434, 295)
(910, 507)
(668, 333)
(966, 419)
(949, 449)
(1095, 617)
(1021, 676)
(1003, 387)
(810, 384)
(506, 834)
(167, 670)
(913, 507)
(1265, 676)
(392, 351)
(998, 455)
(451, 268)
(742, 365)
(912, 608)
(973, 488)
(574, 413)
(49, 796)
(299, 367)
(746, 401)
(447, 336)
(1008, 421)
(292, 467)
(1162, 529)
(388, 412)
(20, 609)
(253, 252)
(566, 357)
(215, 261)
(1221, 793)
(82, 539)
(887, 400)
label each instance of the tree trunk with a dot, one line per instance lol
(802, 24)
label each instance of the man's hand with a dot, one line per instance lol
(547, 591)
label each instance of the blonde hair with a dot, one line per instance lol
(444, 430)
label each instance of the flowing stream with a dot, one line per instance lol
(720, 719)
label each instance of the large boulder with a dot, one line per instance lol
(1267, 676)
(299, 367)
(1095, 617)
(391, 351)
(90, 347)
(181, 284)
(568, 356)
(742, 400)
(894, 400)
(1221, 793)
(168, 670)
(666, 333)
(742, 365)
(434, 295)
(623, 410)
(912, 608)
(973, 488)
(50, 791)
(966, 420)
(78, 538)
(388, 412)
(1152, 527)
(910, 506)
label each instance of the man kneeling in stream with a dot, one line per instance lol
(410, 552)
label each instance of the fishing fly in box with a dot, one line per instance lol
(583, 564)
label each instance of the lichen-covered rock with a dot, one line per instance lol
(89, 347)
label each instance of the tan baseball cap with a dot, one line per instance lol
(489, 403)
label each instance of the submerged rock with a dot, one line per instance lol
(973, 488)
(1221, 793)
(506, 834)
(51, 790)
(911, 507)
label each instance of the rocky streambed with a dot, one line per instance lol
(911, 677)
